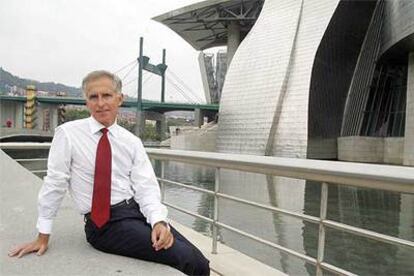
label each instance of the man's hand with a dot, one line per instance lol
(39, 246)
(161, 236)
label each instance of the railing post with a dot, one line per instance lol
(162, 185)
(321, 237)
(215, 215)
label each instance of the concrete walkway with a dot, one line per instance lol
(69, 253)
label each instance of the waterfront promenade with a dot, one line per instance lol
(69, 253)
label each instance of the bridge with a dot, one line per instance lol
(160, 107)
(47, 110)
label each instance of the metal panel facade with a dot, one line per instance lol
(264, 105)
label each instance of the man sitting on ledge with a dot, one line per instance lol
(111, 180)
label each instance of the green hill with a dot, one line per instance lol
(8, 80)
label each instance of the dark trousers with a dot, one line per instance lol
(128, 234)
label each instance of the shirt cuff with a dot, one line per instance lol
(44, 225)
(157, 218)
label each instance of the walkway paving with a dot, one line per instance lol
(69, 253)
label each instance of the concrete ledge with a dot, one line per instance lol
(361, 149)
(69, 253)
(9, 132)
(393, 150)
(228, 261)
(194, 138)
(322, 148)
(387, 150)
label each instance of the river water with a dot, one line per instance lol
(384, 212)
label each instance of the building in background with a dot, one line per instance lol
(210, 24)
(306, 81)
(213, 68)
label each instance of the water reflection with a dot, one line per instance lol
(384, 212)
(378, 211)
(200, 203)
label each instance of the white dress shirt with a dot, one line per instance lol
(71, 166)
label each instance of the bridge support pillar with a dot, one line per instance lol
(19, 116)
(47, 116)
(160, 125)
(409, 115)
(198, 117)
(140, 124)
(233, 40)
(54, 121)
(161, 128)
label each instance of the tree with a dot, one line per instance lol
(75, 114)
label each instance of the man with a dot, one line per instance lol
(111, 180)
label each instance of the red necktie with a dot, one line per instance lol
(101, 199)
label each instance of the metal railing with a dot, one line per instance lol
(380, 177)
(28, 146)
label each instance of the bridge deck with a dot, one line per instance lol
(146, 104)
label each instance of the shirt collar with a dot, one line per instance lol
(96, 126)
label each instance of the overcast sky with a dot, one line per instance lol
(62, 40)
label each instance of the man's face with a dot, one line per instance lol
(102, 100)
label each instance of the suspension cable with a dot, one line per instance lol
(184, 85)
(179, 90)
(130, 70)
(125, 66)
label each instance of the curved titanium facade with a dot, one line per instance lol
(264, 102)
(306, 74)
(332, 72)
(398, 27)
(384, 55)
(314, 76)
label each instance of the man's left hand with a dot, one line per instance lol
(161, 236)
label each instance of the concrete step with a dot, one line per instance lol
(228, 261)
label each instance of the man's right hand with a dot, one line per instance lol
(39, 246)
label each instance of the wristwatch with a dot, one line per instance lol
(166, 224)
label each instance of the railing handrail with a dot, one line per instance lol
(381, 177)
(24, 145)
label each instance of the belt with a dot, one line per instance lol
(122, 203)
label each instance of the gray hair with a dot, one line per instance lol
(99, 74)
